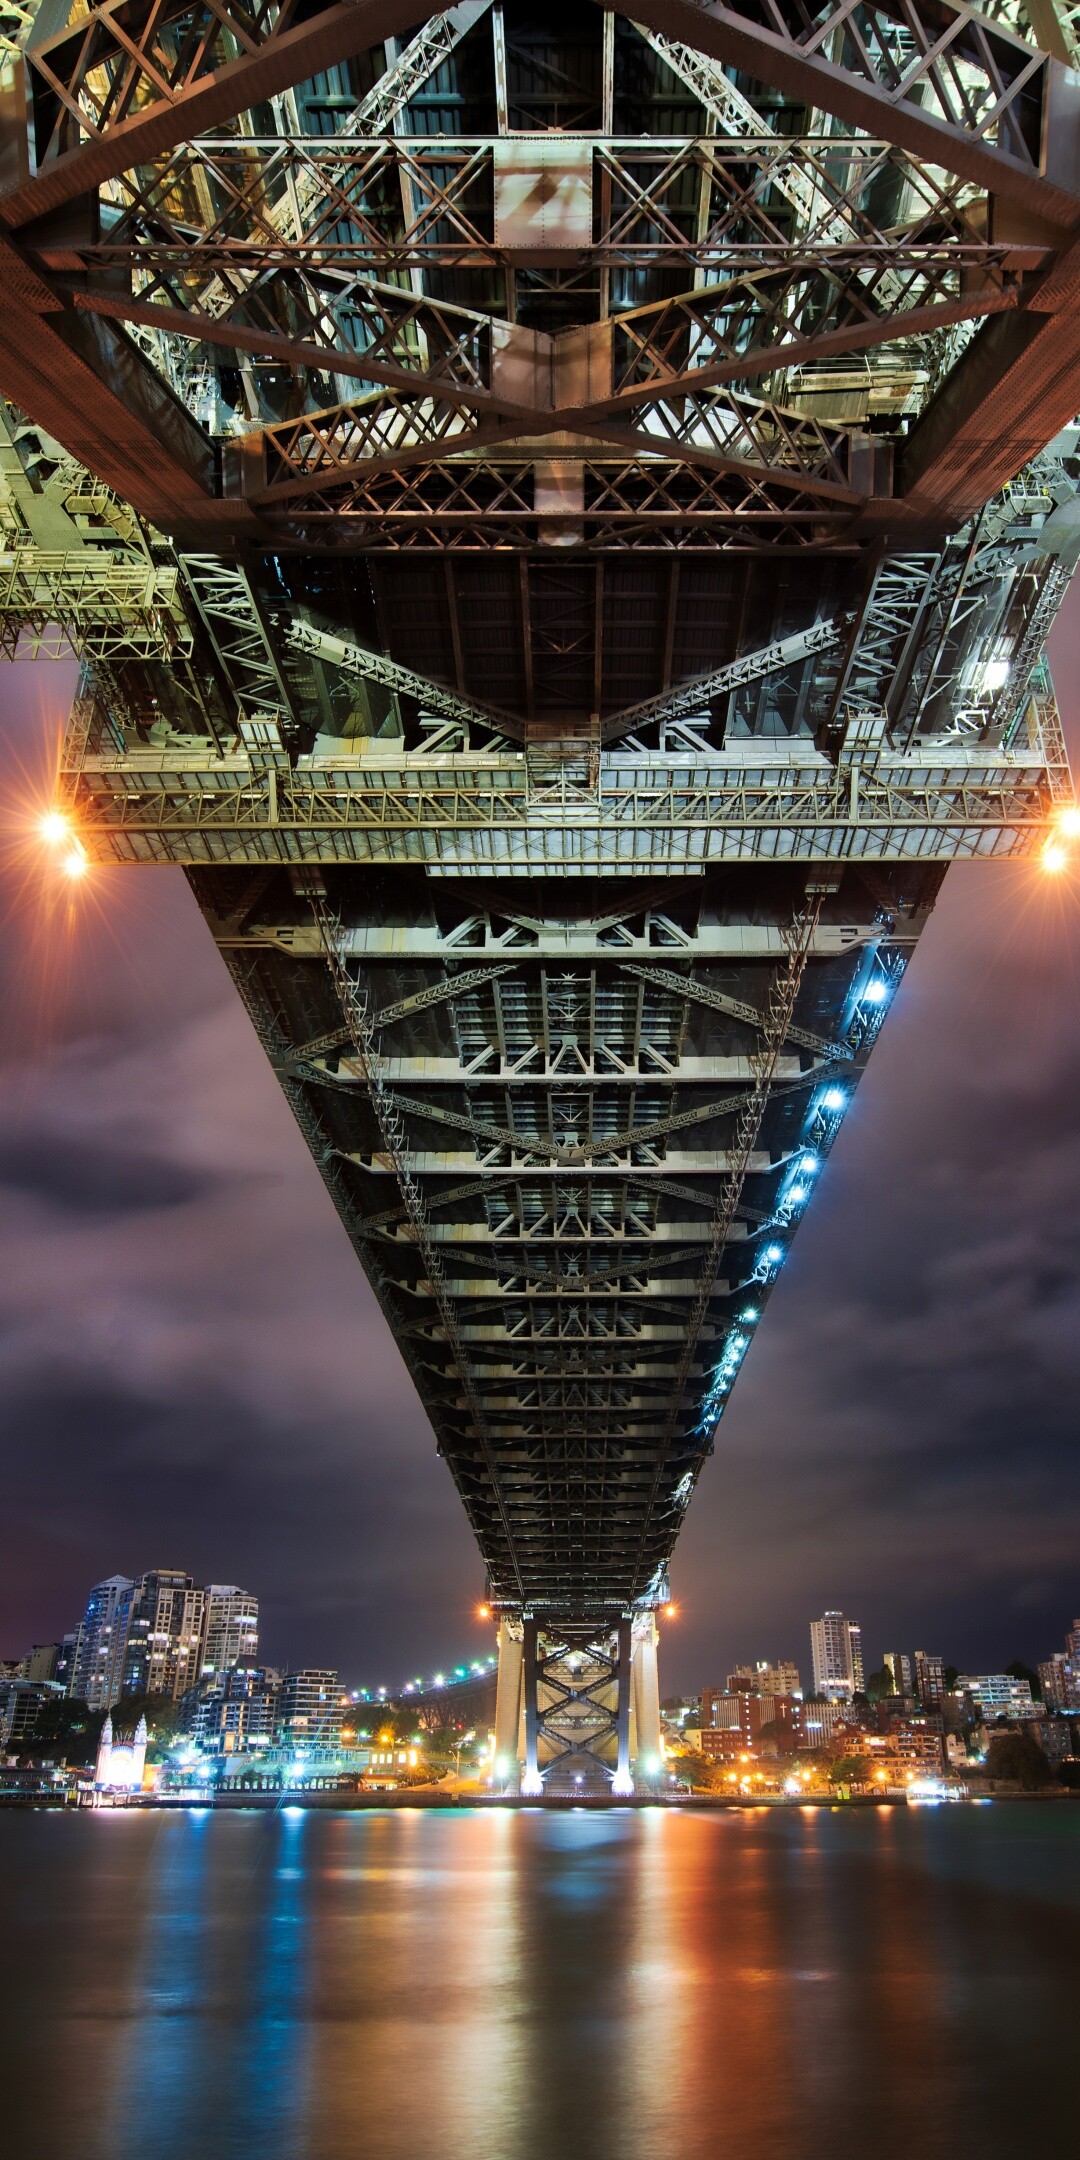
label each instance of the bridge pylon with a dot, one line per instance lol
(578, 1706)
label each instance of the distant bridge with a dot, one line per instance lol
(560, 515)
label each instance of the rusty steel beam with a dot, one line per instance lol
(752, 39)
(198, 103)
(1014, 389)
(101, 401)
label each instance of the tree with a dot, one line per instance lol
(1019, 1671)
(66, 1730)
(1019, 1759)
(952, 1675)
(851, 1770)
(880, 1684)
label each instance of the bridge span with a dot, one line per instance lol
(559, 515)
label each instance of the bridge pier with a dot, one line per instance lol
(509, 1704)
(648, 1753)
(576, 1707)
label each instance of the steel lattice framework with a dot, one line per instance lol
(560, 515)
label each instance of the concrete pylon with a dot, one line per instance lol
(509, 1703)
(646, 1674)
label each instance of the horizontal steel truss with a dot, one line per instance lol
(646, 811)
(107, 94)
(549, 1325)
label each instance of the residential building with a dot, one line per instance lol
(1054, 1736)
(765, 1679)
(836, 1654)
(232, 1711)
(898, 1664)
(230, 1628)
(21, 1704)
(310, 1709)
(40, 1662)
(103, 1631)
(929, 1679)
(164, 1635)
(1059, 1678)
(918, 1742)
(998, 1695)
(1072, 1643)
(67, 1650)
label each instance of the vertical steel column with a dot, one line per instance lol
(508, 1701)
(532, 1784)
(622, 1784)
(647, 1697)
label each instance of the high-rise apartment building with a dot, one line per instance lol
(164, 1635)
(103, 1628)
(836, 1654)
(309, 1710)
(1060, 1680)
(898, 1664)
(765, 1679)
(929, 1679)
(233, 1710)
(230, 1628)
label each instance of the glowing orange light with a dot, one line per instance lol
(54, 827)
(1069, 821)
(1054, 857)
(483, 1612)
(670, 1612)
(76, 864)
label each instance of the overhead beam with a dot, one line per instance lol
(161, 115)
(800, 68)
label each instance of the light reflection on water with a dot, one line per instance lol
(533, 1986)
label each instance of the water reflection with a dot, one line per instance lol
(491, 1986)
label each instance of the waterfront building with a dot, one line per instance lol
(836, 1655)
(230, 1628)
(918, 1744)
(120, 1763)
(103, 1628)
(163, 1643)
(232, 1711)
(21, 1704)
(929, 1679)
(310, 1709)
(998, 1695)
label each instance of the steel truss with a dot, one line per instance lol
(529, 469)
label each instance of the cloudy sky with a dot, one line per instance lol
(193, 1372)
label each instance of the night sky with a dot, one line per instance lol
(193, 1372)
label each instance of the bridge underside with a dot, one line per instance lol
(560, 516)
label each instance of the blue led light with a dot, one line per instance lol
(833, 1099)
(774, 1254)
(876, 991)
(750, 1314)
(809, 1165)
(796, 1194)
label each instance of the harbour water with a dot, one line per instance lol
(798, 1984)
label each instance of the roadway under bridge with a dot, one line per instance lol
(559, 515)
